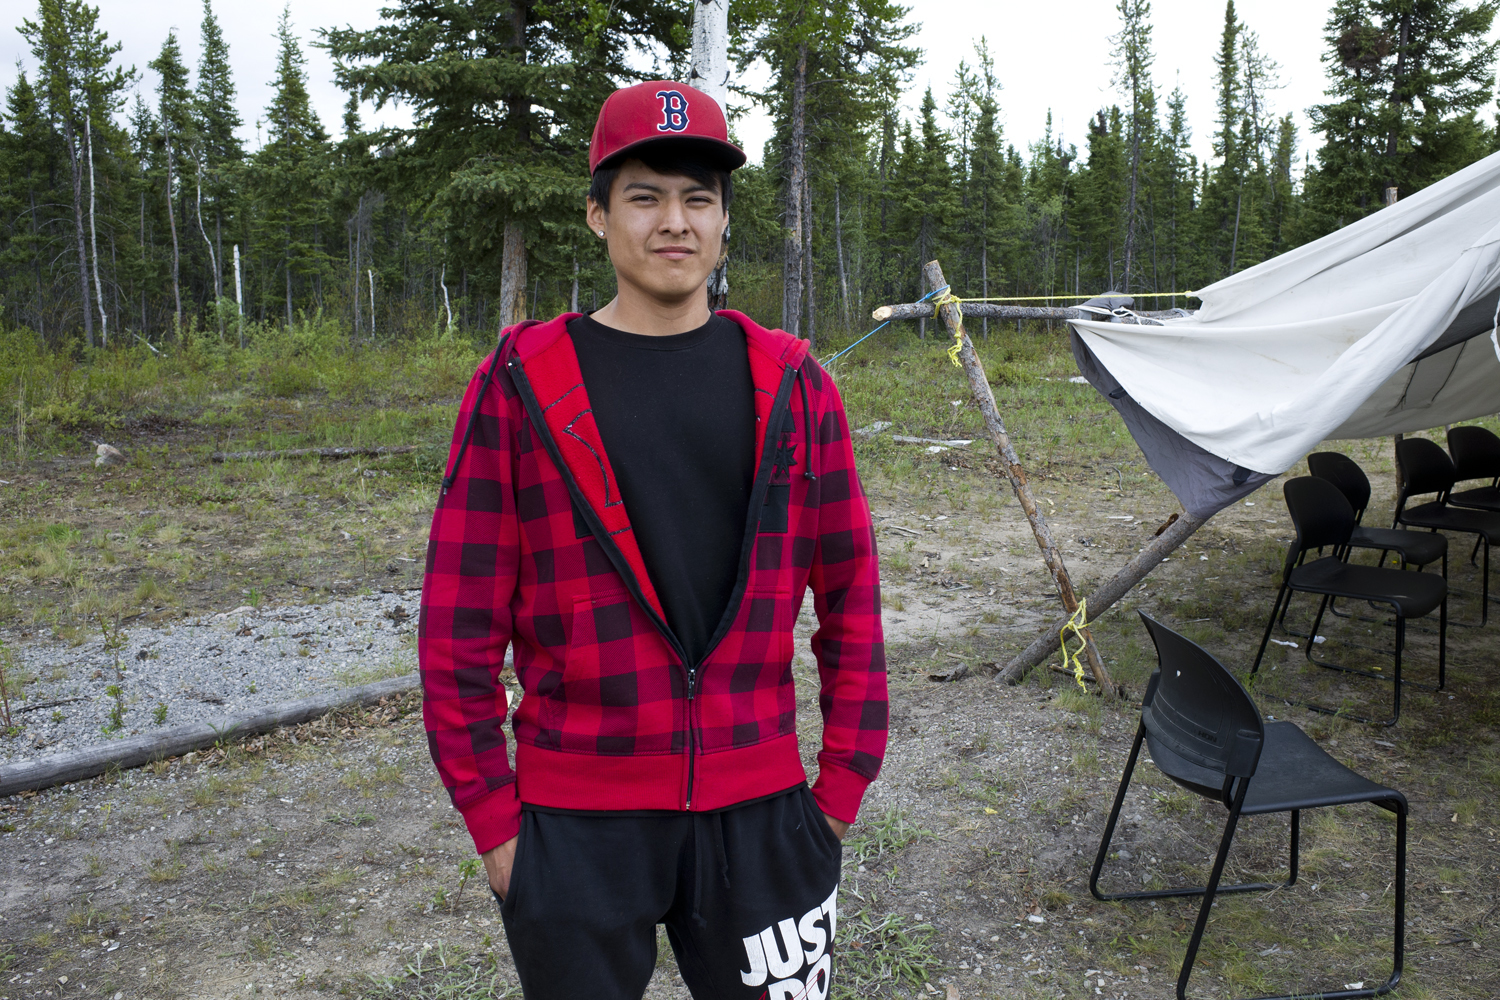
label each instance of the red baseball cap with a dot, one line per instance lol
(661, 111)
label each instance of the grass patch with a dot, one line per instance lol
(878, 951)
(889, 833)
(441, 973)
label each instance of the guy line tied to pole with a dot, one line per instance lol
(1075, 624)
(945, 296)
(828, 361)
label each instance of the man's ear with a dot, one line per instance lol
(596, 215)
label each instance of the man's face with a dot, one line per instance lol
(664, 231)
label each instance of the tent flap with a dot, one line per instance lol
(1383, 327)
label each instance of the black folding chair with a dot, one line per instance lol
(1324, 519)
(1206, 734)
(1476, 455)
(1416, 548)
(1426, 468)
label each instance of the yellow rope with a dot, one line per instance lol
(1075, 624)
(1084, 298)
(947, 298)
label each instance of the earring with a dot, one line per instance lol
(601, 234)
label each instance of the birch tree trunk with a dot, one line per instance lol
(213, 259)
(513, 249)
(70, 137)
(172, 224)
(710, 74)
(88, 141)
(791, 282)
(838, 239)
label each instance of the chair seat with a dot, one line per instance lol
(1412, 594)
(1482, 498)
(1293, 773)
(1444, 517)
(1416, 547)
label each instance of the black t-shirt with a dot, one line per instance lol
(677, 417)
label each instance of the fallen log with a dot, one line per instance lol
(979, 385)
(1116, 587)
(259, 456)
(89, 762)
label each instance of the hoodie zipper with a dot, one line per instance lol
(782, 402)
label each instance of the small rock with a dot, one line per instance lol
(107, 454)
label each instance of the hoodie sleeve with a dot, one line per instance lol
(465, 624)
(849, 643)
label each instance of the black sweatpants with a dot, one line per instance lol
(748, 896)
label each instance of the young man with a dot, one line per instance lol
(636, 503)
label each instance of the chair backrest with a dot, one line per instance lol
(1197, 710)
(1321, 514)
(1345, 473)
(1425, 468)
(1476, 453)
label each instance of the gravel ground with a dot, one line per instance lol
(203, 669)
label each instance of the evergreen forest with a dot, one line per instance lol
(132, 209)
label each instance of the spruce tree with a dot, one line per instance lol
(218, 151)
(1133, 58)
(288, 173)
(28, 157)
(81, 91)
(1407, 81)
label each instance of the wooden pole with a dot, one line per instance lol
(978, 384)
(993, 310)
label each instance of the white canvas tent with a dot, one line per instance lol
(1386, 326)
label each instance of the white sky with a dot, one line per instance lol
(1049, 55)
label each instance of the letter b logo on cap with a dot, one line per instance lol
(674, 108)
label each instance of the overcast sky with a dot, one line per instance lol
(1051, 55)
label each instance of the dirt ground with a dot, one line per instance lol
(325, 859)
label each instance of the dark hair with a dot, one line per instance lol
(666, 158)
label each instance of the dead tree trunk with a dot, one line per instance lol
(166, 128)
(791, 278)
(213, 258)
(88, 138)
(70, 137)
(1051, 555)
(838, 239)
(513, 249)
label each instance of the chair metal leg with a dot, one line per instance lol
(1109, 833)
(1443, 643)
(1209, 892)
(1396, 678)
(1398, 945)
(1114, 812)
(1266, 639)
(1484, 584)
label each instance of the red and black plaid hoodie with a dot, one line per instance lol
(531, 547)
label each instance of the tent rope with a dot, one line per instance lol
(830, 360)
(1075, 624)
